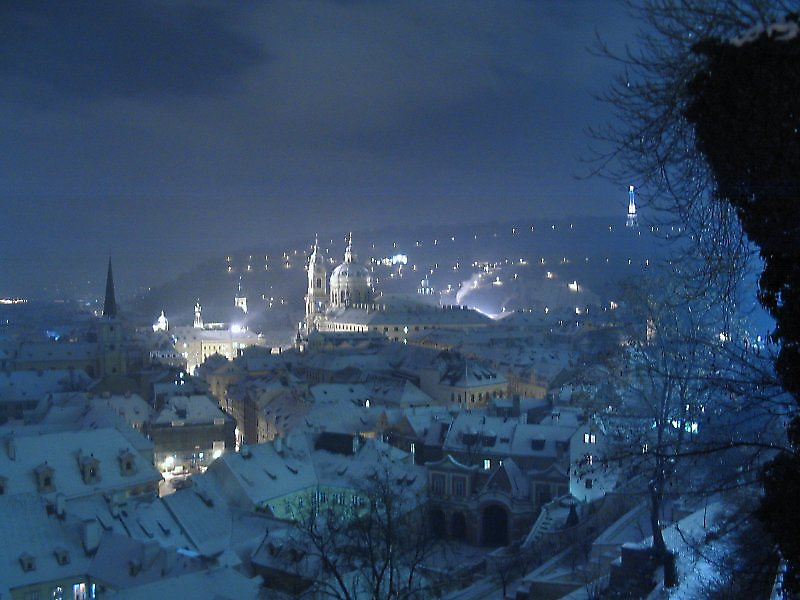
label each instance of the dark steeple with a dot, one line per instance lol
(110, 305)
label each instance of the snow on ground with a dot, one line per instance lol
(699, 554)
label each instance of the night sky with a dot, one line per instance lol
(168, 132)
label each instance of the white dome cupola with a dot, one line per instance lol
(350, 281)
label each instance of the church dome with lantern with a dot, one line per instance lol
(350, 281)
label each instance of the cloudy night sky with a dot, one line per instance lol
(168, 132)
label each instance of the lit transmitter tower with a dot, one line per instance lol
(632, 221)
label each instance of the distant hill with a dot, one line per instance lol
(492, 267)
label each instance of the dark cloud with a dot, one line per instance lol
(56, 50)
(191, 128)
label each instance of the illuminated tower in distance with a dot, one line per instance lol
(317, 294)
(198, 315)
(240, 300)
(632, 221)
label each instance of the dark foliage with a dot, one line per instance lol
(745, 107)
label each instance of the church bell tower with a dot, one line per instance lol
(317, 293)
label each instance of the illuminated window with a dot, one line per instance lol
(589, 438)
(487, 464)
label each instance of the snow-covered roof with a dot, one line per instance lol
(510, 478)
(190, 410)
(62, 452)
(35, 385)
(263, 473)
(124, 563)
(411, 316)
(503, 437)
(29, 531)
(131, 407)
(222, 583)
(56, 351)
(188, 333)
(203, 516)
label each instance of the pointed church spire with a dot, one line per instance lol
(110, 304)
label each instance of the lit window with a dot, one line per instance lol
(487, 464)
(589, 438)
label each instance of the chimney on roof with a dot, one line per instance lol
(134, 567)
(91, 536)
(27, 562)
(60, 505)
(150, 551)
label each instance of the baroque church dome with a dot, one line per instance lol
(349, 273)
(350, 281)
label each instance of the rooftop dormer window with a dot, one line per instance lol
(90, 469)
(127, 463)
(62, 556)
(27, 562)
(45, 478)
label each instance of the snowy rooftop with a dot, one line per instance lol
(35, 385)
(63, 452)
(130, 407)
(56, 351)
(502, 437)
(28, 530)
(218, 583)
(190, 410)
(422, 315)
(262, 474)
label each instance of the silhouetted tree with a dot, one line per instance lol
(709, 118)
(371, 545)
(696, 405)
(744, 102)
